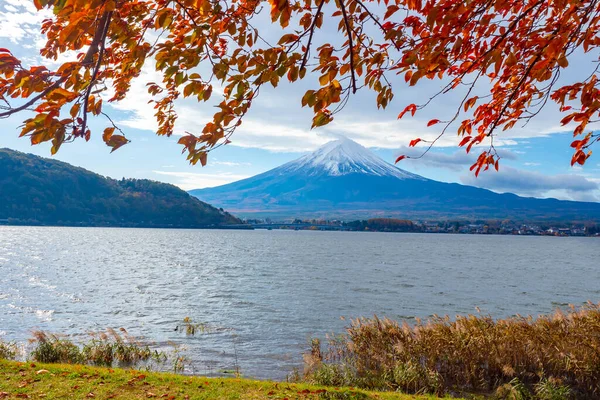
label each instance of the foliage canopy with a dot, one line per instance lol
(518, 46)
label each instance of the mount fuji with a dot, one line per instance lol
(344, 180)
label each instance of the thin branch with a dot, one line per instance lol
(310, 36)
(33, 99)
(375, 20)
(519, 84)
(113, 122)
(350, 44)
(102, 31)
(454, 118)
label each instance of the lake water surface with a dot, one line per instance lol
(263, 294)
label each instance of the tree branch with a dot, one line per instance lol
(312, 31)
(350, 44)
(50, 88)
(99, 39)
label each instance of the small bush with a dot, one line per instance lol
(414, 378)
(552, 389)
(514, 390)
(179, 361)
(111, 348)
(51, 348)
(551, 357)
(190, 328)
(8, 351)
(104, 349)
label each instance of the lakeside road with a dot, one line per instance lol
(58, 381)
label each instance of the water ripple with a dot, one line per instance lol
(263, 294)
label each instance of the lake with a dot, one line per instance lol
(264, 294)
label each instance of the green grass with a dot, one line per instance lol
(35, 380)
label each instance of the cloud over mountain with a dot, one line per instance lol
(344, 180)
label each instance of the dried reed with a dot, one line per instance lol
(559, 353)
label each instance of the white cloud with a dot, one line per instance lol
(192, 180)
(230, 163)
(20, 20)
(277, 137)
(456, 161)
(528, 183)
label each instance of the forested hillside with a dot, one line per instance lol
(35, 190)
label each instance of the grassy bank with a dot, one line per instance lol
(35, 380)
(553, 357)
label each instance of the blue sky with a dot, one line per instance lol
(536, 158)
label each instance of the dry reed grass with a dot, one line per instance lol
(110, 348)
(555, 356)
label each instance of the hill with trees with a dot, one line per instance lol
(36, 190)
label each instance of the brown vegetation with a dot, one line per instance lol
(555, 356)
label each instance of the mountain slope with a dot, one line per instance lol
(344, 180)
(35, 190)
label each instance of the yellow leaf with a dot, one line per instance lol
(59, 94)
(324, 79)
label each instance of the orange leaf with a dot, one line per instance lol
(108, 132)
(470, 103)
(400, 159)
(433, 122)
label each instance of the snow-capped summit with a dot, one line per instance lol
(344, 156)
(343, 180)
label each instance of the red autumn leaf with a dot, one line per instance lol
(390, 11)
(433, 122)
(411, 107)
(399, 159)
(465, 140)
(387, 25)
(414, 142)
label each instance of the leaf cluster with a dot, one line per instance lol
(201, 48)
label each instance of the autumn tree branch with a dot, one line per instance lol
(310, 36)
(350, 44)
(99, 40)
(28, 104)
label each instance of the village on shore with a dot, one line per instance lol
(458, 227)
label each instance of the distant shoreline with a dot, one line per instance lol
(296, 227)
(128, 226)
